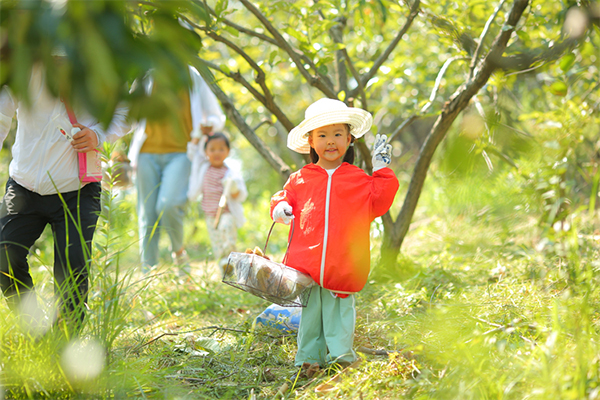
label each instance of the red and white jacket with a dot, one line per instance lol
(332, 217)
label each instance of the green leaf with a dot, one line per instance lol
(225, 69)
(220, 7)
(559, 88)
(307, 49)
(231, 30)
(103, 83)
(325, 60)
(566, 62)
(524, 36)
(382, 10)
(199, 11)
(337, 46)
(209, 344)
(296, 34)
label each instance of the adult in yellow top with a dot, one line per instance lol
(158, 154)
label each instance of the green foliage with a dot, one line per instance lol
(403, 84)
(499, 319)
(496, 291)
(115, 290)
(103, 50)
(484, 311)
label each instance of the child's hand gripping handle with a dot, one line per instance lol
(222, 203)
(229, 189)
(283, 213)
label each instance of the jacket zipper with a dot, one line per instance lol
(326, 234)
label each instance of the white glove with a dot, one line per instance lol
(283, 213)
(382, 153)
(196, 133)
(192, 149)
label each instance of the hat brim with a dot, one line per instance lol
(360, 122)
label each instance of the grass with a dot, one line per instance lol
(487, 312)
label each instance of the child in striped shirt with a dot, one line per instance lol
(222, 190)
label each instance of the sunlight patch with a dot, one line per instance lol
(472, 126)
(32, 318)
(575, 23)
(83, 360)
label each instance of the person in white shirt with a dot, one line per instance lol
(44, 187)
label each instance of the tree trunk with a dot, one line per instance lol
(394, 236)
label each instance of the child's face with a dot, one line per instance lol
(217, 151)
(330, 143)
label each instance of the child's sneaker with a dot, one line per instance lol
(306, 371)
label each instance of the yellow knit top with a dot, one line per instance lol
(170, 135)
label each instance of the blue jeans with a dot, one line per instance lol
(162, 183)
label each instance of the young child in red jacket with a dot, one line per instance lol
(333, 204)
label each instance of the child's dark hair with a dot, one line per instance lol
(348, 157)
(217, 135)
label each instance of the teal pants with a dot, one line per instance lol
(326, 332)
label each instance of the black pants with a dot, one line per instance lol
(23, 217)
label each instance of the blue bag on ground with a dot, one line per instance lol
(286, 319)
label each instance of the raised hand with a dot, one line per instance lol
(382, 153)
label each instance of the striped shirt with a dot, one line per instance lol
(212, 189)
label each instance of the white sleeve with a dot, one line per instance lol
(119, 126)
(206, 110)
(239, 180)
(235, 173)
(8, 107)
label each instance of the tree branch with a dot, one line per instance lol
(270, 40)
(438, 81)
(450, 111)
(336, 33)
(250, 32)
(259, 72)
(414, 11)
(365, 153)
(482, 37)
(356, 75)
(526, 59)
(316, 81)
(267, 98)
(524, 71)
(238, 77)
(403, 126)
(234, 116)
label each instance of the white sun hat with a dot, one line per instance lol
(325, 112)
